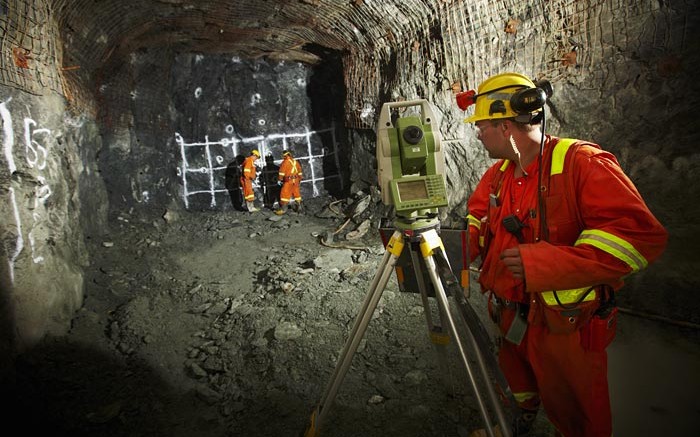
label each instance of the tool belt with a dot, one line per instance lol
(512, 323)
(596, 320)
(564, 319)
(291, 178)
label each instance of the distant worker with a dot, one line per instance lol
(232, 181)
(271, 190)
(290, 177)
(249, 175)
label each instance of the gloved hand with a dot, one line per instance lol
(280, 183)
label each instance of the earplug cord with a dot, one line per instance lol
(544, 234)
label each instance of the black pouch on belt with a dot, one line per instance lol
(599, 332)
(516, 331)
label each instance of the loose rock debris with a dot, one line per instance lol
(231, 324)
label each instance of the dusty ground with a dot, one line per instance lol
(230, 324)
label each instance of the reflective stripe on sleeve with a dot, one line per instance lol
(473, 221)
(615, 246)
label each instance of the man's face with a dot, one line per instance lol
(491, 135)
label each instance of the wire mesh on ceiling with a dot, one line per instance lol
(393, 49)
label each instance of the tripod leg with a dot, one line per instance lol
(431, 241)
(393, 251)
(438, 336)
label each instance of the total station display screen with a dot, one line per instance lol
(412, 190)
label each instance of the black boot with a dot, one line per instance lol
(524, 422)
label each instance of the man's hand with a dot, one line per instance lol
(511, 258)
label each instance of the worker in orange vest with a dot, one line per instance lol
(290, 177)
(249, 175)
(557, 225)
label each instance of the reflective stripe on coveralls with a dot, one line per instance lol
(571, 381)
(290, 174)
(249, 175)
(615, 246)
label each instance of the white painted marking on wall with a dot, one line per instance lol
(211, 173)
(8, 145)
(183, 168)
(35, 153)
(9, 133)
(273, 143)
(197, 92)
(229, 129)
(20, 240)
(36, 156)
(32, 245)
(310, 152)
(42, 192)
(255, 99)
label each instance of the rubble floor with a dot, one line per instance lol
(231, 324)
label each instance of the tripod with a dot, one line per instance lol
(423, 237)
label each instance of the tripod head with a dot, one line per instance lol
(411, 164)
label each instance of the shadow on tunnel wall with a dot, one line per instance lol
(326, 92)
(232, 182)
(66, 389)
(7, 323)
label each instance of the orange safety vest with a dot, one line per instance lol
(290, 170)
(249, 170)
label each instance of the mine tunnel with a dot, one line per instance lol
(139, 296)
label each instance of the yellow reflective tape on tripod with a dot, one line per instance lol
(439, 338)
(615, 246)
(431, 240)
(567, 296)
(395, 244)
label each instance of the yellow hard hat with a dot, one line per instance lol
(494, 99)
(255, 152)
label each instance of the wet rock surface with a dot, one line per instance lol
(213, 324)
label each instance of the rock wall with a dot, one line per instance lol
(183, 122)
(47, 167)
(627, 84)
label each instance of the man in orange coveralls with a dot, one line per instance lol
(290, 177)
(249, 175)
(551, 263)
